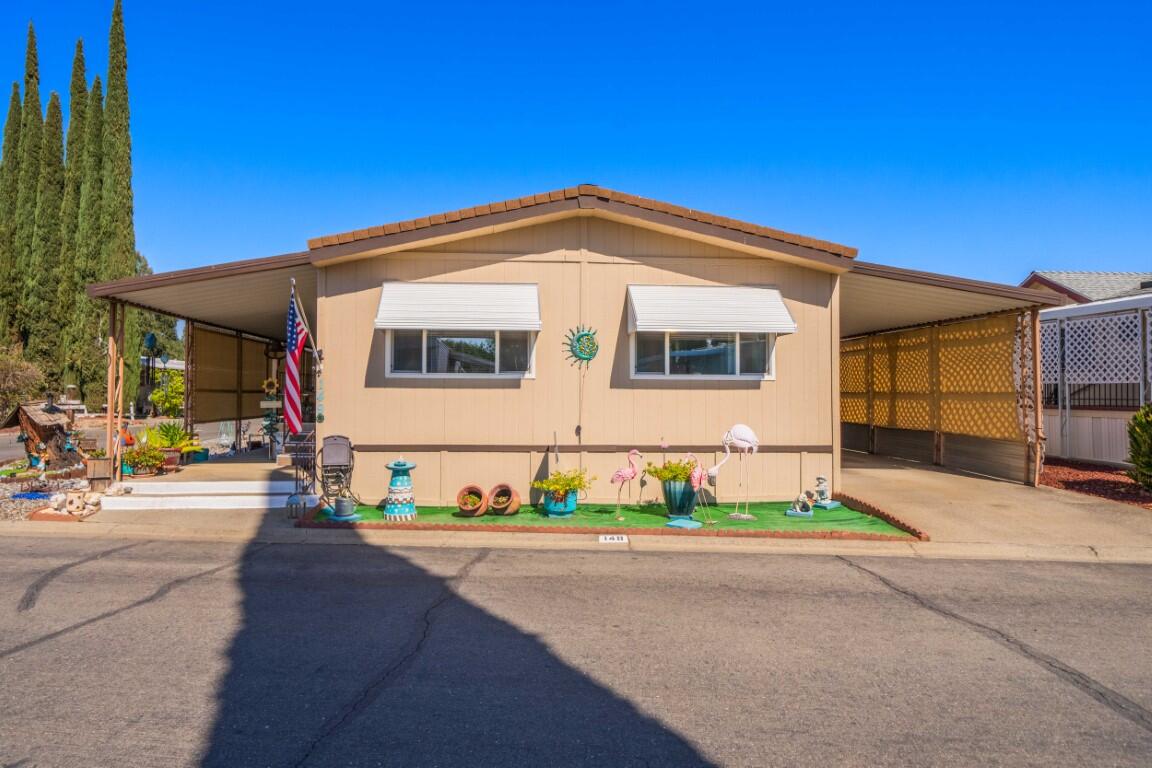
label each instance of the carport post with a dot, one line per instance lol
(110, 395)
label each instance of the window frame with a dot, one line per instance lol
(423, 372)
(768, 375)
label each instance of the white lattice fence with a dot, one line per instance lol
(1103, 350)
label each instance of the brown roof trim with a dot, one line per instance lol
(934, 279)
(585, 196)
(1060, 288)
(181, 276)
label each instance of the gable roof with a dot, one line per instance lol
(586, 197)
(1090, 286)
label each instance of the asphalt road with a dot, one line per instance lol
(122, 653)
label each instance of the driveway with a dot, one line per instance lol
(135, 653)
(966, 509)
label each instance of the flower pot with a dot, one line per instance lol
(679, 498)
(503, 500)
(563, 507)
(471, 510)
(171, 457)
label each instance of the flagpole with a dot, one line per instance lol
(303, 318)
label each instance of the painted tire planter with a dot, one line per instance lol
(560, 508)
(471, 510)
(503, 500)
(679, 498)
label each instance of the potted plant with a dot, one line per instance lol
(679, 497)
(144, 459)
(171, 438)
(98, 465)
(503, 500)
(471, 501)
(561, 490)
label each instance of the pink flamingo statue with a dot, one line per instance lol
(696, 479)
(626, 475)
(745, 441)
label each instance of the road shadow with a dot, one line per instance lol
(353, 655)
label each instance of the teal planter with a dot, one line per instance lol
(679, 498)
(563, 508)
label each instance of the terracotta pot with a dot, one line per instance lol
(467, 511)
(511, 504)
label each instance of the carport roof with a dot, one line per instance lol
(874, 297)
(249, 296)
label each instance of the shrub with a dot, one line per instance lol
(168, 396)
(1140, 447)
(169, 434)
(144, 457)
(560, 484)
(674, 471)
(20, 380)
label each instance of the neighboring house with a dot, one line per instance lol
(1097, 371)
(1082, 287)
(443, 340)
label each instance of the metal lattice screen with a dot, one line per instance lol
(969, 378)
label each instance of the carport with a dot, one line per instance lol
(941, 370)
(234, 330)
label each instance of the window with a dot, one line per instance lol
(709, 355)
(460, 353)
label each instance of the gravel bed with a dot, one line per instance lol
(1095, 480)
(19, 509)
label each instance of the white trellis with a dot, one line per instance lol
(1096, 367)
(1105, 349)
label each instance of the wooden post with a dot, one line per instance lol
(188, 353)
(1037, 399)
(934, 396)
(239, 387)
(118, 466)
(110, 394)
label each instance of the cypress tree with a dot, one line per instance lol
(83, 353)
(9, 184)
(67, 280)
(41, 317)
(119, 250)
(31, 128)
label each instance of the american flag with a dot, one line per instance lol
(296, 338)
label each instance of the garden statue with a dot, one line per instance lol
(802, 505)
(823, 498)
(626, 475)
(744, 439)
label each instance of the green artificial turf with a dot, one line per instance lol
(769, 517)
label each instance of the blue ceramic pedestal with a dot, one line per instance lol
(400, 504)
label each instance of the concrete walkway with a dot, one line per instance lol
(965, 513)
(967, 517)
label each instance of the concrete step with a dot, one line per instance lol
(210, 488)
(239, 501)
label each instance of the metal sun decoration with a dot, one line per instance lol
(581, 346)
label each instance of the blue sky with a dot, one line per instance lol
(982, 139)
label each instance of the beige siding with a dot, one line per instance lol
(583, 267)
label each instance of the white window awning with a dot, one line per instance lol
(459, 306)
(705, 308)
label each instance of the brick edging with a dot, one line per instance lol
(309, 521)
(870, 509)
